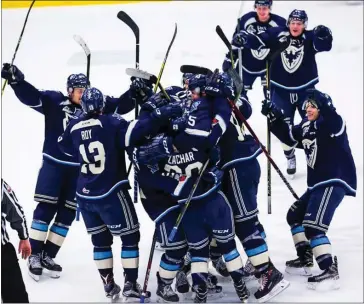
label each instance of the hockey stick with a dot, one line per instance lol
(124, 17)
(165, 58)
(87, 51)
(18, 44)
(149, 266)
(188, 201)
(242, 118)
(269, 145)
(240, 56)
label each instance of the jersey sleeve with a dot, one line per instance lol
(14, 211)
(122, 105)
(34, 98)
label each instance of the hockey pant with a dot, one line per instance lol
(55, 194)
(112, 215)
(289, 102)
(309, 219)
(249, 80)
(240, 185)
(12, 284)
(211, 217)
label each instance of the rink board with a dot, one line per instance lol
(40, 3)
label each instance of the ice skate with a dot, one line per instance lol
(241, 290)
(250, 272)
(132, 293)
(35, 268)
(53, 268)
(165, 292)
(271, 284)
(214, 291)
(301, 266)
(327, 280)
(112, 291)
(200, 293)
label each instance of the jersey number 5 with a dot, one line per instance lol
(97, 165)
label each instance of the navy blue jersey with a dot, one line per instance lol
(295, 67)
(58, 110)
(326, 145)
(254, 61)
(100, 142)
(235, 145)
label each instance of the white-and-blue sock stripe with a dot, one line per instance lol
(299, 237)
(103, 259)
(258, 255)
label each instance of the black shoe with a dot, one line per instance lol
(271, 284)
(329, 275)
(165, 291)
(301, 265)
(201, 293)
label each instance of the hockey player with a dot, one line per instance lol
(239, 153)
(295, 70)
(254, 61)
(331, 175)
(55, 189)
(209, 214)
(99, 142)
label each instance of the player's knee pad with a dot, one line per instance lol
(131, 239)
(45, 212)
(101, 238)
(65, 215)
(294, 216)
(244, 229)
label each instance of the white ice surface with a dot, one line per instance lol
(48, 54)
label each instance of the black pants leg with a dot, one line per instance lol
(12, 284)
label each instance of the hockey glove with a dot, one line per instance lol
(226, 65)
(240, 39)
(220, 85)
(270, 110)
(213, 176)
(141, 89)
(172, 110)
(319, 100)
(11, 73)
(156, 101)
(159, 148)
(322, 32)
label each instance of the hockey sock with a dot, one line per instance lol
(37, 235)
(199, 270)
(288, 151)
(257, 251)
(234, 264)
(130, 262)
(56, 237)
(169, 266)
(261, 230)
(321, 248)
(299, 239)
(104, 263)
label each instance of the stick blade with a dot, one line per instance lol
(194, 69)
(83, 44)
(141, 74)
(129, 22)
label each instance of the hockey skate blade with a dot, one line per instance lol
(326, 285)
(291, 176)
(35, 277)
(125, 299)
(114, 298)
(52, 274)
(282, 285)
(303, 271)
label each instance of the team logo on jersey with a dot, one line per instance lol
(292, 57)
(260, 54)
(310, 147)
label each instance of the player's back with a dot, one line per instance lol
(99, 141)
